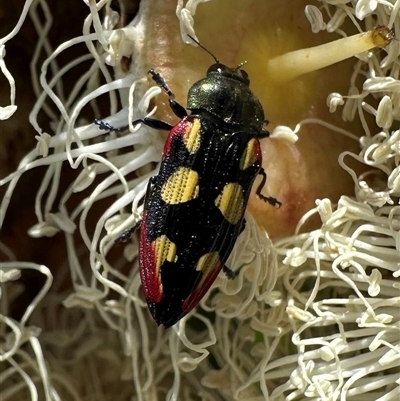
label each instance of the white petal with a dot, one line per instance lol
(384, 116)
(314, 16)
(379, 84)
(333, 101)
(283, 132)
(337, 20)
(365, 8)
(7, 112)
(9, 275)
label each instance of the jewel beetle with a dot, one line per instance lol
(194, 207)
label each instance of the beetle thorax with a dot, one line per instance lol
(229, 100)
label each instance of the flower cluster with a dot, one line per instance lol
(311, 316)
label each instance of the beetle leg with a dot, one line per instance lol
(178, 109)
(268, 199)
(230, 274)
(153, 123)
(108, 127)
(150, 122)
(105, 126)
(124, 237)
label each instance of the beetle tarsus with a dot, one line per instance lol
(268, 199)
(127, 234)
(160, 81)
(108, 127)
(177, 108)
(230, 274)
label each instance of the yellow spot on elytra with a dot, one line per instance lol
(192, 138)
(207, 263)
(181, 186)
(249, 156)
(164, 249)
(231, 202)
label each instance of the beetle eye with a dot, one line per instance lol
(217, 67)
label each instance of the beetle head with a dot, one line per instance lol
(225, 94)
(236, 73)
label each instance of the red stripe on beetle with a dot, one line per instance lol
(149, 273)
(194, 298)
(178, 131)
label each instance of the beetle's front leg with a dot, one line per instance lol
(177, 108)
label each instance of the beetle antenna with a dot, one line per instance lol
(212, 55)
(240, 65)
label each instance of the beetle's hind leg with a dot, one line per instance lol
(272, 201)
(229, 273)
(177, 108)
